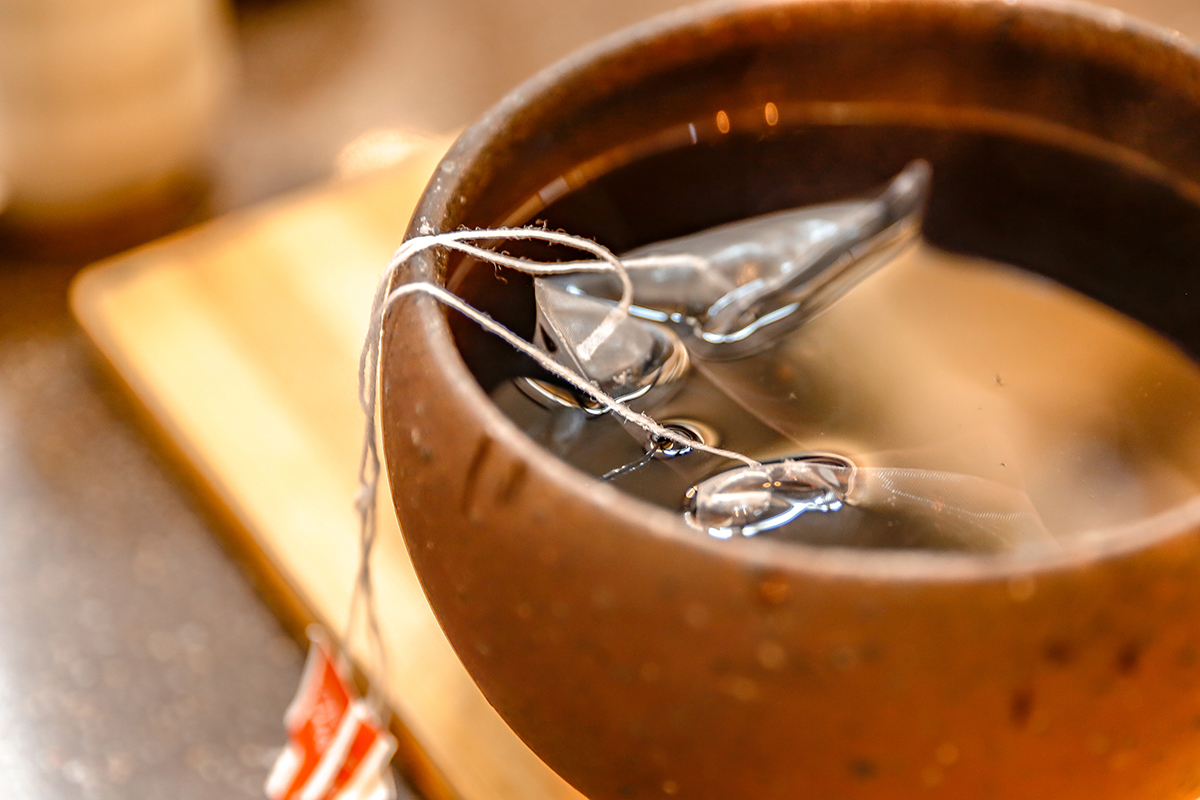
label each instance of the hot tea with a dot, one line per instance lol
(974, 404)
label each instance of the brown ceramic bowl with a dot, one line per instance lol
(641, 660)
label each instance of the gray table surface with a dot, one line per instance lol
(136, 658)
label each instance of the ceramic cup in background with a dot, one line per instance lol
(642, 660)
(106, 112)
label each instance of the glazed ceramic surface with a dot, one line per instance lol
(641, 660)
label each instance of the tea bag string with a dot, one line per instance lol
(606, 262)
(558, 370)
(458, 240)
(368, 375)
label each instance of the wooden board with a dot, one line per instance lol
(241, 338)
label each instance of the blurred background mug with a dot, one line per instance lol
(106, 114)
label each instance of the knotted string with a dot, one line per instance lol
(386, 295)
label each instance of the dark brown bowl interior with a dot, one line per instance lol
(627, 651)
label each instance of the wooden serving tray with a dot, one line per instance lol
(241, 340)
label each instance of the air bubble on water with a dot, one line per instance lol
(662, 449)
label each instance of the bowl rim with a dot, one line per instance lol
(441, 196)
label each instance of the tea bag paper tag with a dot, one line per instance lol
(337, 747)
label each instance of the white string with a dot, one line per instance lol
(558, 370)
(368, 370)
(607, 262)
(696, 262)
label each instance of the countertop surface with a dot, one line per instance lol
(137, 658)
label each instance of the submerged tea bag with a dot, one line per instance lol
(720, 294)
(737, 288)
(736, 296)
(723, 380)
(876, 507)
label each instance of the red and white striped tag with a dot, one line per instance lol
(337, 748)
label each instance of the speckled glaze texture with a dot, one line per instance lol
(642, 661)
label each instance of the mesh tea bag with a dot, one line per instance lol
(735, 296)
(636, 357)
(821, 499)
(736, 288)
